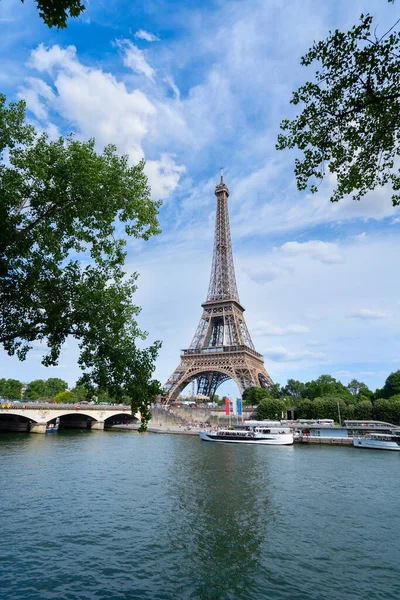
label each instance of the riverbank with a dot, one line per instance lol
(163, 428)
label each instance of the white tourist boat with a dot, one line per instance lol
(378, 441)
(264, 434)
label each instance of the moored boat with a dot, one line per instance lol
(256, 434)
(53, 427)
(378, 441)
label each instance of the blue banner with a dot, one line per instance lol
(239, 407)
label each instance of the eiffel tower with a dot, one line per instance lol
(221, 348)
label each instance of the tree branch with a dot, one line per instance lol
(359, 107)
(22, 232)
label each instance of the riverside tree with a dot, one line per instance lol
(270, 408)
(36, 390)
(44, 389)
(65, 398)
(349, 124)
(10, 389)
(252, 396)
(66, 212)
(392, 385)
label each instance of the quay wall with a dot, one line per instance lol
(331, 441)
(190, 415)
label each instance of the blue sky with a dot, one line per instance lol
(192, 86)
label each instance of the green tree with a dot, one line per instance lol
(359, 389)
(395, 410)
(325, 385)
(54, 386)
(10, 389)
(348, 412)
(363, 410)
(270, 408)
(102, 396)
(80, 393)
(383, 410)
(217, 400)
(349, 124)
(66, 213)
(253, 395)
(329, 407)
(65, 398)
(304, 408)
(294, 389)
(276, 391)
(36, 390)
(56, 12)
(392, 385)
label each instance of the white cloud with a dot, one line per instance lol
(100, 106)
(134, 58)
(281, 354)
(368, 314)
(283, 208)
(325, 252)
(141, 34)
(164, 174)
(267, 273)
(265, 328)
(33, 92)
(169, 80)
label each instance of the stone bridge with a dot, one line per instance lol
(35, 417)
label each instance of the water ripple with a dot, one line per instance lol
(109, 516)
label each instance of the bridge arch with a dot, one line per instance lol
(36, 417)
(219, 374)
(13, 422)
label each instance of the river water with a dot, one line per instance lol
(124, 516)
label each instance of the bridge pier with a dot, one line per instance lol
(97, 425)
(38, 428)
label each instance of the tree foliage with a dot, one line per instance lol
(270, 408)
(305, 408)
(329, 406)
(66, 212)
(54, 386)
(56, 12)
(253, 395)
(363, 410)
(36, 390)
(325, 384)
(42, 389)
(392, 385)
(349, 124)
(10, 389)
(65, 398)
(294, 389)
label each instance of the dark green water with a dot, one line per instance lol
(119, 516)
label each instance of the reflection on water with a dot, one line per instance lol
(121, 516)
(221, 512)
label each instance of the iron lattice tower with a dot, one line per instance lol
(221, 348)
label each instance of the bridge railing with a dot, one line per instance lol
(5, 404)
